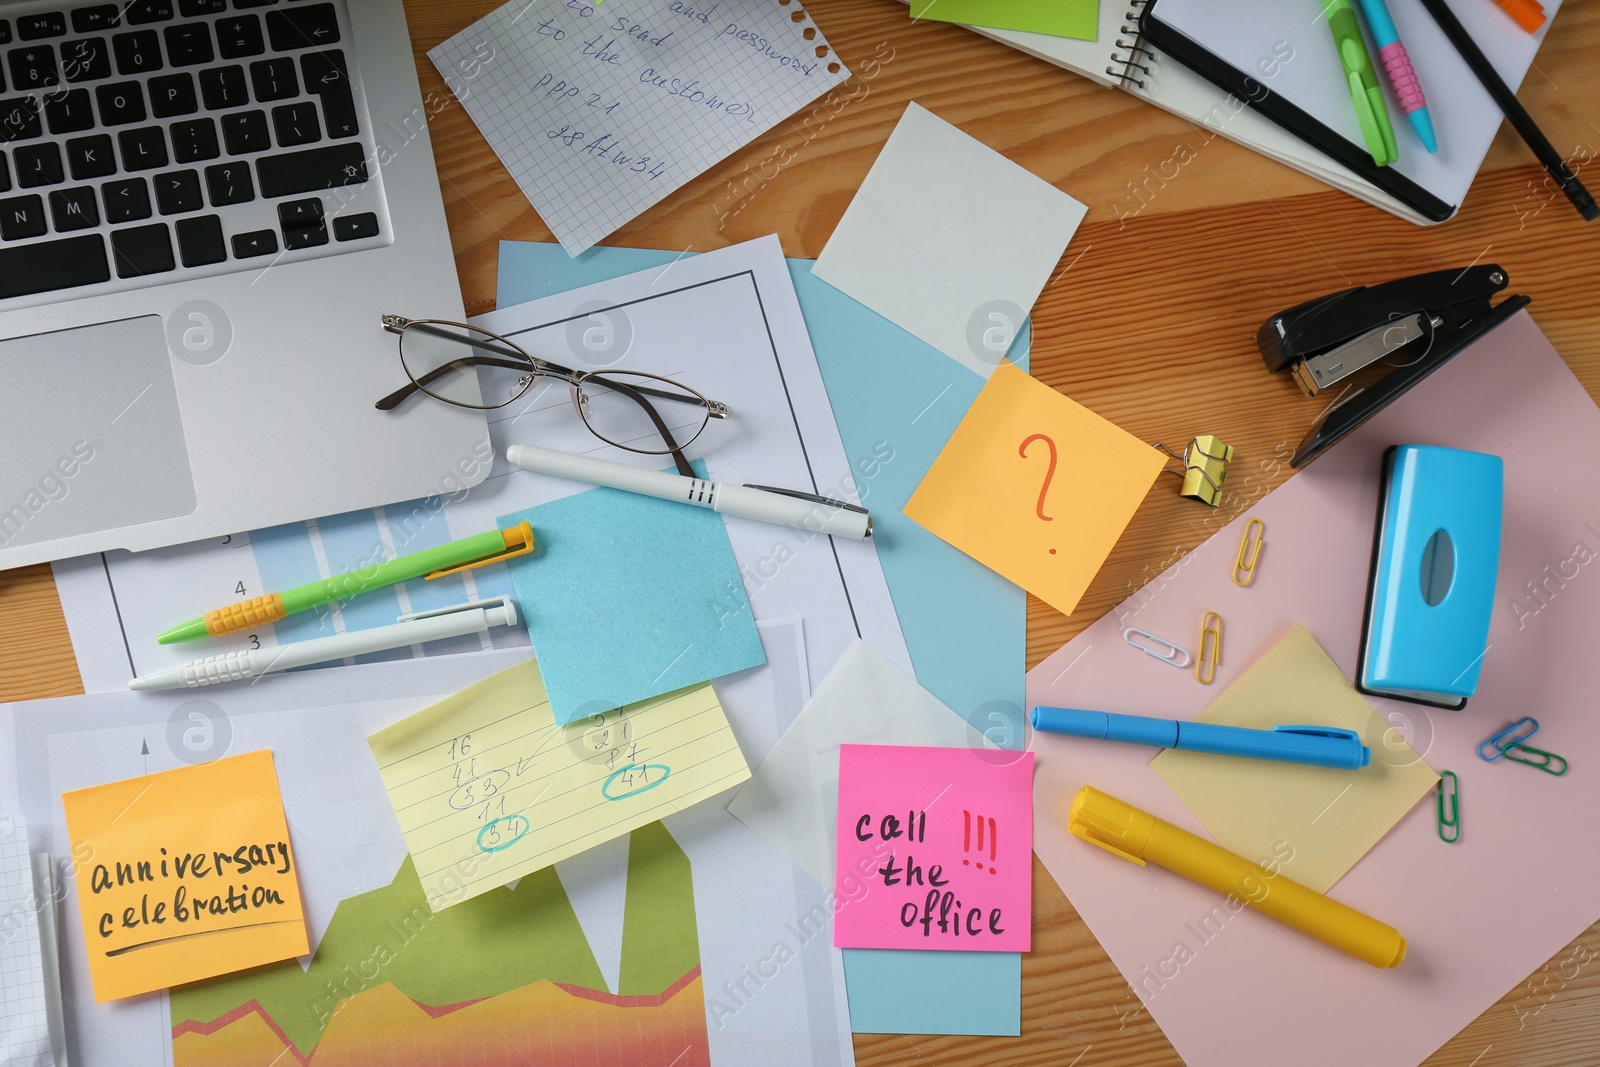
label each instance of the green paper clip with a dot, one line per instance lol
(1547, 763)
(1450, 820)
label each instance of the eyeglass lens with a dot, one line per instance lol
(610, 403)
(439, 357)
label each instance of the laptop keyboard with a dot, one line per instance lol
(159, 140)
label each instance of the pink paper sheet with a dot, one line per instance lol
(1480, 915)
(935, 849)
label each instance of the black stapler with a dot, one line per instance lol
(1412, 324)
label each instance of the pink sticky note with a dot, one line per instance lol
(935, 849)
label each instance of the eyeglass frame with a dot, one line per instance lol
(537, 368)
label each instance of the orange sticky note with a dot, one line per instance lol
(1035, 486)
(184, 875)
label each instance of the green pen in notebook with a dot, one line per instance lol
(1371, 112)
(491, 547)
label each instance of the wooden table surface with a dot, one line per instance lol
(1149, 321)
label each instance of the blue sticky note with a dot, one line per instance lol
(627, 597)
(887, 386)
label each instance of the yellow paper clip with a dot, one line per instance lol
(1205, 467)
(1247, 565)
(1449, 805)
(1205, 668)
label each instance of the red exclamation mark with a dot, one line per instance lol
(994, 839)
(966, 834)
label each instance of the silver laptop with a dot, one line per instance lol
(205, 207)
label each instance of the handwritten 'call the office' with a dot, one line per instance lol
(940, 906)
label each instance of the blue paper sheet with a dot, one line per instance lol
(887, 386)
(627, 597)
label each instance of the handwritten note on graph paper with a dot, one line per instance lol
(1035, 486)
(935, 849)
(488, 788)
(191, 875)
(599, 111)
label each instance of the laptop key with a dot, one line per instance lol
(19, 119)
(254, 243)
(305, 237)
(33, 68)
(90, 157)
(45, 24)
(242, 4)
(172, 94)
(191, 8)
(38, 164)
(296, 124)
(120, 103)
(85, 60)
(200, 241)
(142, 250)
(230, 183)
(177, 191)
(245, 132)
(194, 140)
(5, 175)
(298, 214)
(273, 79)
(96, 18)
(223, 87)
(138, 52)
(188, 43)
(316, 26)
(142, 149)
(141, 11)
(21, 217)
(68, 112)
(51, 265)
(126, 200)
(239, 36)
(5, 32)
(74, 209)
(355, 227)
(326, 77)
(312, 169)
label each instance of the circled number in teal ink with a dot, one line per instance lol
(605, 788)
(517, 826)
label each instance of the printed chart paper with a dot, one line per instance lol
(24, 1003)
(489, 788)
(935, 849)
(601, 111)
(190, 875)
(628, 597)
(1036, 486)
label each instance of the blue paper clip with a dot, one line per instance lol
(1165, 651)
(1505, 739)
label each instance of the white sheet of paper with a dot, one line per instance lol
(949, 240)
(24, 1020)
(792, 799)
(600, 112)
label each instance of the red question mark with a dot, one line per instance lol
(1050, 471)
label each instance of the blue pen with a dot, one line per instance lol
(1397, 64)
(1321, 746)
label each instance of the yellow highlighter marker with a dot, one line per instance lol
(475, 551)
(1124, 830)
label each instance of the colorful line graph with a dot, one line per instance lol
(506, 977)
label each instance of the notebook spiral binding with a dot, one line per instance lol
(1131, 64)
(798, 14)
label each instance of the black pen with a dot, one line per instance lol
(1507, 100)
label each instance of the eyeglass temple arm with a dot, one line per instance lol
(633, 392)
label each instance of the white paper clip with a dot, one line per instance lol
(1165, 651)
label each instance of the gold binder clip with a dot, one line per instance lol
(1205, 467)
(1205, 666)
(1244, 564)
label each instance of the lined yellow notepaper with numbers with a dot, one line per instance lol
(488, 788)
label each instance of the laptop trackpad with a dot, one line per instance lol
(93, 435)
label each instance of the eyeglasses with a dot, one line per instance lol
(473, 368)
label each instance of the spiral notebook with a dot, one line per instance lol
(601, 111)
(1287, 45)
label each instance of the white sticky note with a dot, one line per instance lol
(950, 240)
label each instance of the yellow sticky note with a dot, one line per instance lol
(1035, 486)
(1316, 822)
(489, 788)
(185, 874)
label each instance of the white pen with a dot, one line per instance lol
(414, 628)
(785, 507)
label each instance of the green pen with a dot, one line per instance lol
(491, 547)
(1371, 112)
